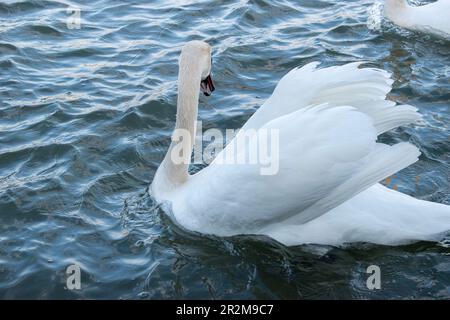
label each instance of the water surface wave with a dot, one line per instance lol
(86, 116)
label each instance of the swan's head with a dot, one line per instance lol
(395, 5)
(199, 53)
(394, 10)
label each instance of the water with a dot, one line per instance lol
(86, 116)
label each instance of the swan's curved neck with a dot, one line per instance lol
(172, 170)
(394, 8)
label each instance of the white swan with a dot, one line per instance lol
(326, 190)
(432, 18)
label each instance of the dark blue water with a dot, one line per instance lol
(86, 116)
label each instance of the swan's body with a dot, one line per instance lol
(326, 190)
(433, 18)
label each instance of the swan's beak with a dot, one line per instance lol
(207, 86)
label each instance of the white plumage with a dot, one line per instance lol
(326, 190)
(432, 18)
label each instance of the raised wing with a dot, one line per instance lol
(347, 85)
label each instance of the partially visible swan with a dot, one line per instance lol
(432, 18)
(326, 190)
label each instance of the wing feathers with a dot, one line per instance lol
(381, 163)
(347, 85)
(328, 121)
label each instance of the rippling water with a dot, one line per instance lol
(86, 116)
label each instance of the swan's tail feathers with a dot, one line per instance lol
(383, 162)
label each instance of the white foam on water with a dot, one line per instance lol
(375, 18)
